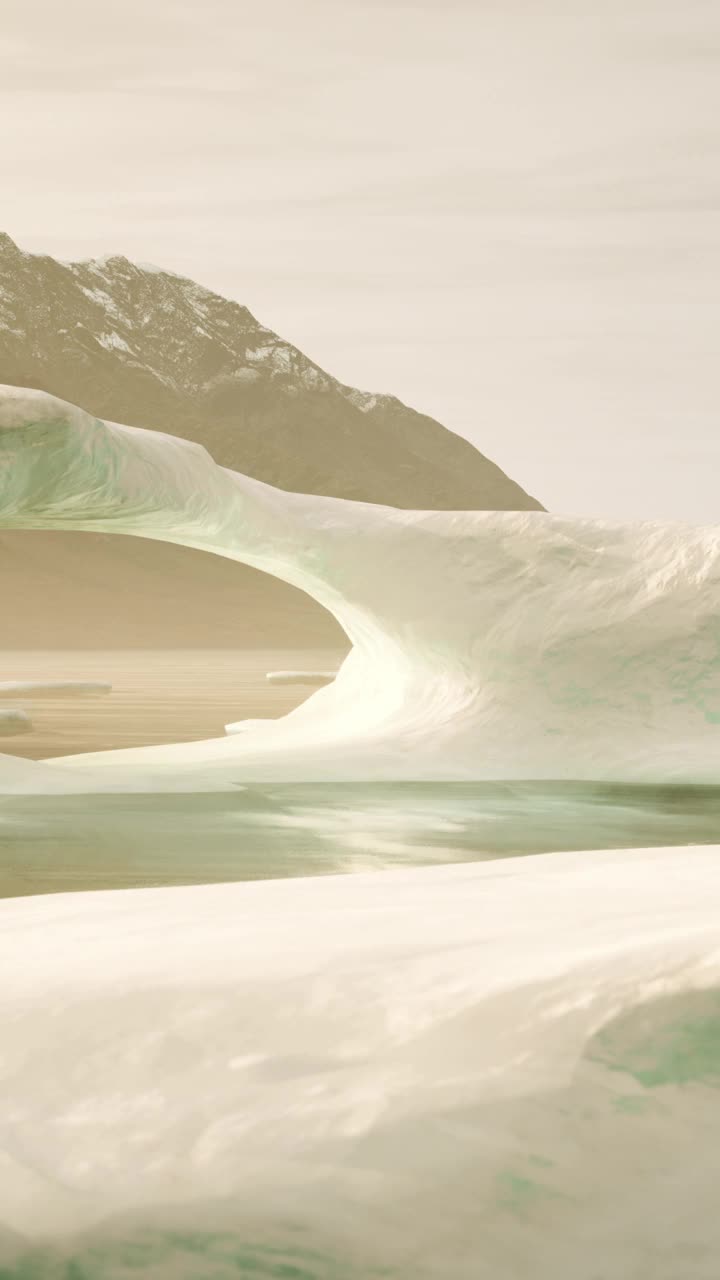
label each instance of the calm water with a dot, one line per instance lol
(158, 695)
(65, 843)
(54, 844)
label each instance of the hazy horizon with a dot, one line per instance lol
(506, 215)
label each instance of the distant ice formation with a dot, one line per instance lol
(486, 645)
(508, 1069)
(53, 688)
(12, 722)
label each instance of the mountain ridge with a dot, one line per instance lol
(151, 348)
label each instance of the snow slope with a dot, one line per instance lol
(485, 644)
(508, 1071)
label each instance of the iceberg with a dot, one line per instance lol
(508, 1069)
(485, 645)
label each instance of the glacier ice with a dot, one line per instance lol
(484, 645)
(508, 1069)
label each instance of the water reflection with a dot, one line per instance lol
(52, 844)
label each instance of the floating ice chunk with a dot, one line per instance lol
(315, 678)
(12, 722)
(53, 688)
(242, 726)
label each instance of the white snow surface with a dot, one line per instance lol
(114, 342)
(29, 777)
(506, 1068)
(486, 645)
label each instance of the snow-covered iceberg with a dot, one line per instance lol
(485, 645)
(478, 1072)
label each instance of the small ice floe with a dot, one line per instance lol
(315, 678)
(53, 688)
(12, 722)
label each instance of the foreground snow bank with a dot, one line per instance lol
(480, 1072)
(486, 645)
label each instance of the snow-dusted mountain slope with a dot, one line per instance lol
(139, 345)
(143, 346)
(485, 644)
(498, 1071)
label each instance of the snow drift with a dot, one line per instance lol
(477, 1072)
(485, 645)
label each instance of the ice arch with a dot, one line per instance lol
(485, 645)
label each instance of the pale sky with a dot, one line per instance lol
(507, 212)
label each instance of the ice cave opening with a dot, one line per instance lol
(485, 645)
(188, 641)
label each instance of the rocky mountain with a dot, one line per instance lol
(146, 347)
(142, 346)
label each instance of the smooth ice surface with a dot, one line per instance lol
(53, 688)
(243, 726)
(65, 843)
(502, 1069)
(22, 777)
(485, 645)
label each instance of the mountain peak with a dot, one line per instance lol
(137, 344)
(8, 245)
(106, 262)
(110, 260)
